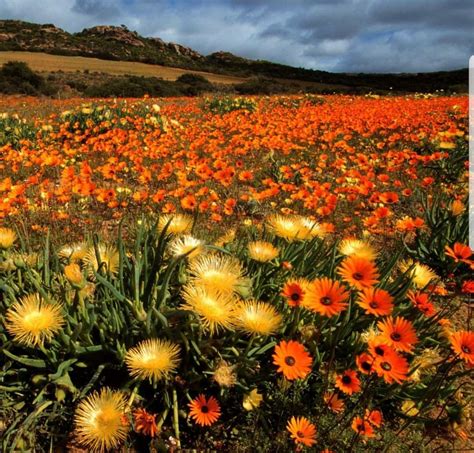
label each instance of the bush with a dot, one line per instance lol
(18, 77)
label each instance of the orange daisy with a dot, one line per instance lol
(391, 367)
(365, 363)
(421, 301)
(334, 403)
(326, 297)
(145, 423)
(462, 343)
(459, 252)
(348, 382)
(358, 272)
(398, 333)
(362, 427)
(302, 431)
(204, 412)
(374, 417)
(294, 291)
(378, 347)
(377, 302)
(292, 359)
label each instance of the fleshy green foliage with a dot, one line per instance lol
(14, 130)
(227, 104)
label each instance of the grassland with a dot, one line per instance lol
(43, 62)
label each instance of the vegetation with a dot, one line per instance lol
(236, 274)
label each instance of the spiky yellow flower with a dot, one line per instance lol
(214, 309)
(421, 274)
(108, 259)
(74, 275)
(74, 253)
(409, 408)
(291, 228)
(314, 228)
(177, 223)
(262, 251)
(33, 320)
(219, 273)
(225, 375)
(257, 318)
(7, 238)
(152, 359)
(186, 244)
(226, 238)
(358, 248)
(23, 260)
(101, 423)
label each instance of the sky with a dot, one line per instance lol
(329, 35)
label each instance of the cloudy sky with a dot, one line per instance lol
(332, 35)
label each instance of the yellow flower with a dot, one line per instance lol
(214, 309)
(74, 274)
(409, 408)
(152, 359)
(220, 273)
(225, 375)
(358, 248)
(262, 251)
(33, 320)
(109, 259)
(186, 244)
(447, 145)
(291, 228)
(225, 238)
(7, 238)
(74, 253)
(177, 224)
(421, 274)
(252, 400)
(314, 228)
(257, 318)
(101, 423)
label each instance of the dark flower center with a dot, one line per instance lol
(466, 349)
(373, 304)
(289, 360)
(299, 434)
(295, 296)
(360, 427)
(395, 336)
(379, 350)
(325, 300)
(357, 276)
(204, 409)
(346, 380)
(366, 366)
(386, 366)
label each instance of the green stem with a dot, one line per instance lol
(175, 418)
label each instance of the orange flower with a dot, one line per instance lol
(374, 417)
(391, 366)
(302, 431)
(377, 302)
(398, 333)
(294, 291)
(204, 412)
(421, 301)
(292, 359)
(365, 363)
(348, 382)
(362, 427)
(188, 202)
(145, 423)
(358, 272)
(326, 297)
(462, 343)
(459, 252)
(334, 403)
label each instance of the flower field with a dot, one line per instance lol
(285, 273)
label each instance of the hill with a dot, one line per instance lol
(121, 44)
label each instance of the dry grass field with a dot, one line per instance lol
(47, 63)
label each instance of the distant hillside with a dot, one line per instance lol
(121, 44)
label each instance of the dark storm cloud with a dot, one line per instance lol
(340, 35)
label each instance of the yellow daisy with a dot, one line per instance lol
(109, 259)
(291, 228)
(152, 359)
(178, 224)
(358, 248)
(262, 251)
(185, 244)
(421, 274)
(7, 238)
(101, 423)
(74, 275)
(75, 252)
(214, 309)
(33, 320)
(220, 273)
(257, 318)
